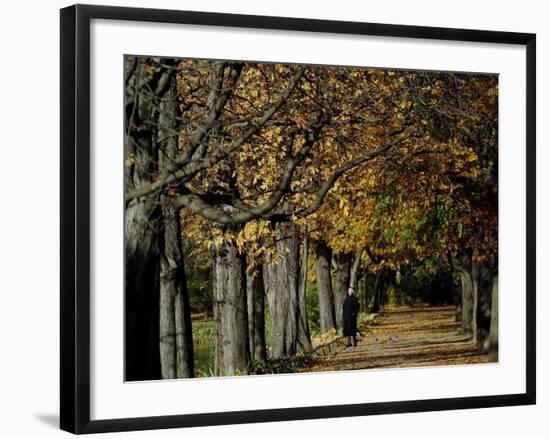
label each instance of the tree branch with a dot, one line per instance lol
(246, 212)
(183, 169)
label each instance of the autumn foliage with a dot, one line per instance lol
(398, 167)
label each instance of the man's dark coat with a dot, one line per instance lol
(351, 308)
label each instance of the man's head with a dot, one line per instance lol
(350, 291)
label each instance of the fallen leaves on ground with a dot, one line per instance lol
(404, 336)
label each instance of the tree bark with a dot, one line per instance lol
(175, 330)
(141, 292)
(323, 256)
(143, 222)
(256, 313)
(218, 279)
(342, 277)
(473, 287)
(355, 266)
(467, 295)
(364, 294)
(457, 294)
(493, 333)
(475, 300)
(377, 291)
(231, 319)
(485, 278)
(304, 339)
(282, 288)
(175, 326)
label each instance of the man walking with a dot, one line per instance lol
(350, 310)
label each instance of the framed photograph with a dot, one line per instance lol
(274, 218)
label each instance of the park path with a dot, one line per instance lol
(404, 336)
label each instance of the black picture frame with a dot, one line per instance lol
(75, 218)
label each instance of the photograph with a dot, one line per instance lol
(295, 218)
(270, 220)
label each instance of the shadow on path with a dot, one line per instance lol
(405, 336)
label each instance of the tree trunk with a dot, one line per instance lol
(142, 292)
(475, 300)
(398, 274)
(218, 279)
(467, 295)
(323, 256)
(457, 295)
(356, 264)
(175, 330)
(143, 222)
(256, 313)
(473, 276)
(176, 334)
(231, 319)
(282, 292)
(485, 286)
(493, 333)
(342, 276)
(364, 294)
(377, 291)
(304, 339)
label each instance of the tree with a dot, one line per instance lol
(256, 311)
(264, 153)
(323, 257)
(231, 311)
(342, 281)
(143, 221)
(241, 112)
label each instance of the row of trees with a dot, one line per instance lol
(267, 165)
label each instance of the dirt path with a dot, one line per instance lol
(404, 336)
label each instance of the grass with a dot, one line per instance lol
(203, 345)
